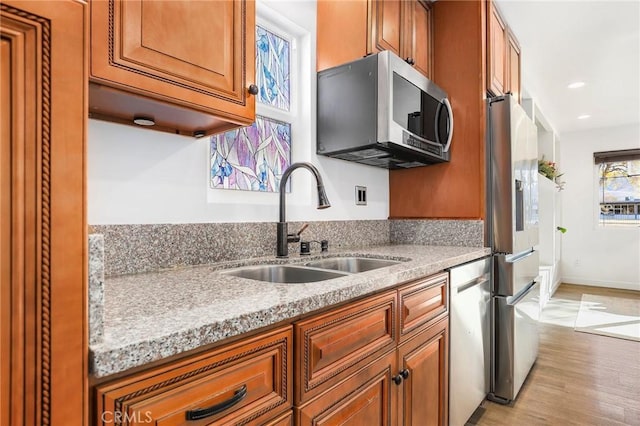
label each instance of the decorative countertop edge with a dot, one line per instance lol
(152, 316)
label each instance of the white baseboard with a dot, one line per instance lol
(555, 286)
(598, 283)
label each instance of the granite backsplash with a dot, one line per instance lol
(132, 249)
(432, 232)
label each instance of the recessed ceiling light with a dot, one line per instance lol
(583, 116)
(144, 121)
(576, 85)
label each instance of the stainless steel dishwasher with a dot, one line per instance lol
(470, 333)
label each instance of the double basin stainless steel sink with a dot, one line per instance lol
(317, 270)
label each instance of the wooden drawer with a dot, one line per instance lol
(333, 345)
(250, 378)
(421, 302)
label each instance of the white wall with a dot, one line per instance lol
(594, 255)
(142, 176)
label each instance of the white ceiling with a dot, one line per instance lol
(597, 42)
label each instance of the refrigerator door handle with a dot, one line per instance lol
(522, 295)
(521, 256)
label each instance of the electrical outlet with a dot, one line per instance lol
(361, 195)
(576, 263)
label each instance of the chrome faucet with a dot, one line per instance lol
(283, 236)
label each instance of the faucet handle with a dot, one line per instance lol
(305, 226)
(294, 238)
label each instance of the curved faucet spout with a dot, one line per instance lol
(323, 203)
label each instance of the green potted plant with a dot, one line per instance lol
(549, 169)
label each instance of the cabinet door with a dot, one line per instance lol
(342, 32)
(513, 66)
(365, 398)
(43, 237)
(496, 51)
(184, 55)
(386, 26)
(418, 44)
(423, 400)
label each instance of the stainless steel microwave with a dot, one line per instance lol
(382, 112)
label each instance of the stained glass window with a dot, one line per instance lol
(272, 69)
(251, 158)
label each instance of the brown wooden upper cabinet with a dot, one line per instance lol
(349, 30)
(187, 65)
(513, 62)
(503, 56)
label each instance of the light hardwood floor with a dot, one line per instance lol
(579, 378)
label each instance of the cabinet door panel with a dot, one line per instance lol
(386, 26)
(424, 395)
(170, 41)
(513, 59)
(496, 51)
(419, 39)
(342, 32)
(363, 399)
(158, 38)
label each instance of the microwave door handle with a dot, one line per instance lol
(436, 124)
(450, 135)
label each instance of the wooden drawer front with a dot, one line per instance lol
(421, 302)
(258, 367)
(365, 398)
(333, 345)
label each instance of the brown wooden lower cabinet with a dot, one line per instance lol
(382, 360)
(406, 386)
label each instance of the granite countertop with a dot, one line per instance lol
(151, 316)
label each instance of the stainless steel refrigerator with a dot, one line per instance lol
(512, 233)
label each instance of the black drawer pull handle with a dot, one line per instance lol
(201, 413)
